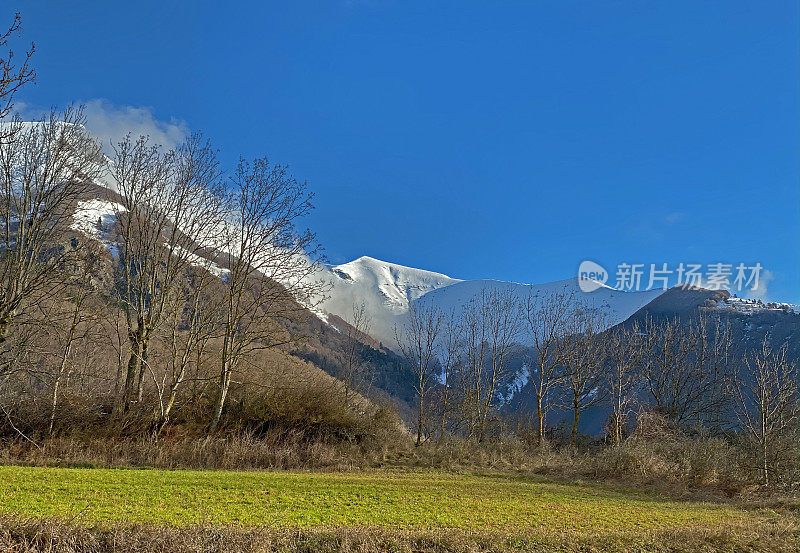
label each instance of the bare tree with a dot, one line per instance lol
(581, 351)
(193, 324)
(168, 217)
(624, 358)
(44, 171)
(142, 174)
(716, 357)
(545, 315)
(503, 320)
(70, 333)
(471, 377)
(767, 402)
(115, 322)
(449, 356)
(684, 368)
(13, 75)
(490, 328)
(356, 332)
(418, 341)
(271, 265)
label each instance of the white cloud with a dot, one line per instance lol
(674, 217)
(110, 123)
(760, 293)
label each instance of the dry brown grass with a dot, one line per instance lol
(677, 467)
(705, 468)
(277, 449)
(34, 536)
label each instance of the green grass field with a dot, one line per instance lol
(409, 500)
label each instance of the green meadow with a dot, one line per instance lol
(406, 500)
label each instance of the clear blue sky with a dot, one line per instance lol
(479, 139)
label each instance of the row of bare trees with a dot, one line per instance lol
(197, 260)
(466, 357)
(688, 371)
(214, 262)
(206, 266)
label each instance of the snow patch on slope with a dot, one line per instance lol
(95, 218)
(749, 307)
(197, 261)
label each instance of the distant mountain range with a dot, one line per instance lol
(387, 290)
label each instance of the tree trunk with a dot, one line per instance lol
(118, 377)
(5, 327)
(142, 368)
(444, 413)
(173, 394)
(61, 368)
(54, 402)
(540, 416)
(225, 382)
(5, 322)
(576, 416)
(419, 419)
(130, 374)
(223, 393)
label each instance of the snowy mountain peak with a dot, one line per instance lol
(389, 284)
(385, 289)
(372, 264)
(388, 289)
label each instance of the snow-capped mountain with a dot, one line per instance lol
(394, 285)
(387, 290)
(615, 305)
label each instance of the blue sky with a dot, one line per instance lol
(479, 139)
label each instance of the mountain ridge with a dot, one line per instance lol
(387, 290)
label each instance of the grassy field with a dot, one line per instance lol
(425, 501)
